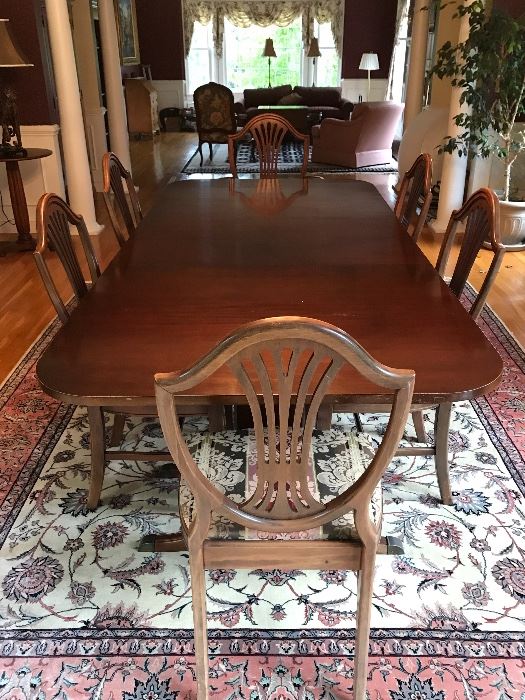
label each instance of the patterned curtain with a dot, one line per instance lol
(402, 12)
(263, 14)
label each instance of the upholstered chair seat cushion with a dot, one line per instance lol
(338, 457)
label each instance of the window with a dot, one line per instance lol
(200, 63)
(246, 67)
(328, 66)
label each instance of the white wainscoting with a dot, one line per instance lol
(96, 142)
(352, 88)
(39, 176)
(170, 93)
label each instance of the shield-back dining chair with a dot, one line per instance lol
(244, 494)
(415, 196)
(124, 218)
(54, 218)
(267, 132)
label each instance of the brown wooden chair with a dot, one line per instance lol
(54, 218)
(284, 366)
(215, 114)
(415, 196)
(124, 218)
(267, 132)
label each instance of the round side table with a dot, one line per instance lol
(18, 199)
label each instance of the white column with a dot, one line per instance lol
(416, 66)
(118, 123)
(454, 169)
(76, 160)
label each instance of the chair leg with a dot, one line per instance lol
(419, 425)
(97, 438)
(200, 626)
(119, 421)
(358, 422)
(211, 151)
(200, 150)
(364, 610)
(441, 430)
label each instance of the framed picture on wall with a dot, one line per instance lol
(127, 31)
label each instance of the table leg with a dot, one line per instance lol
(97, 438)
(441, 429)
(19, 204)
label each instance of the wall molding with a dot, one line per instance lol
(351, 88)
(170, 93)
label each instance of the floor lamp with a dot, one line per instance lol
(313, 52)
(10, 57)
(269, 53)
(369, 61)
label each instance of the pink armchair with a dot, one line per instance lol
(364, 140)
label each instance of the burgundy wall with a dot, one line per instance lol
(369, 27)
(515, 8)
(34, 105)
(160, 38)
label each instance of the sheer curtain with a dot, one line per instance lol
(397, 61)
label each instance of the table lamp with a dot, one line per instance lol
(10, 57)
(269, 52)
(369, 61)
(313, 52)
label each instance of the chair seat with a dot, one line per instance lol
(338, 457)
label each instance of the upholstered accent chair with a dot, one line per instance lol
(364, 140)
(215, 114)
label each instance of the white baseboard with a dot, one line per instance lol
(352, 88)
(170, 93)
(39, 176)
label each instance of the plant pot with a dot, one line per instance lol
(512, 225)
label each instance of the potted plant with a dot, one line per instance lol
(489, 67)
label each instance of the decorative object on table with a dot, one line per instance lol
(215, 114)
(495, 47)
(369, 61)
(313, 52)
(289, 161)
(269, 53)
(365, 140)
(281, 358)
(267, 132)
(10, 57)
(18, 199)
(127, 31)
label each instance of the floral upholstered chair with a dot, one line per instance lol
(215, 114)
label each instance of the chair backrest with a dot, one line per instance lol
(214, 109)
(480, 213)
(286, 364)
(53, 218)
(268, 132)
(415, 195)
(122, 216)
(377, 123)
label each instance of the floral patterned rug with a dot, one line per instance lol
(85, 614)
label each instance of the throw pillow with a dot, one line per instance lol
(292, 99)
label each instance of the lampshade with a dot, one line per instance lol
(313, 51)
(269, 51)
(10, 55)
(369, 61)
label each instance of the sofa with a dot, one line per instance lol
(327, 101)
(364, 140)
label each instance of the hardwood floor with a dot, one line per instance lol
(25, 309)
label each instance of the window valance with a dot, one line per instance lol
(263, 13)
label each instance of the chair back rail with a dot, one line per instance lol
(480, 214)
(54, 218)
(415, 195)
(285, 367)
(123, 218)
(268, 132)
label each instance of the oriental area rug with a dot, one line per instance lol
(289, 161)
(85, 615)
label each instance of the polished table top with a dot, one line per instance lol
(214, 254)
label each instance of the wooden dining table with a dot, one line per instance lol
(212, 255)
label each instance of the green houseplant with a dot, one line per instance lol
(489, 67)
